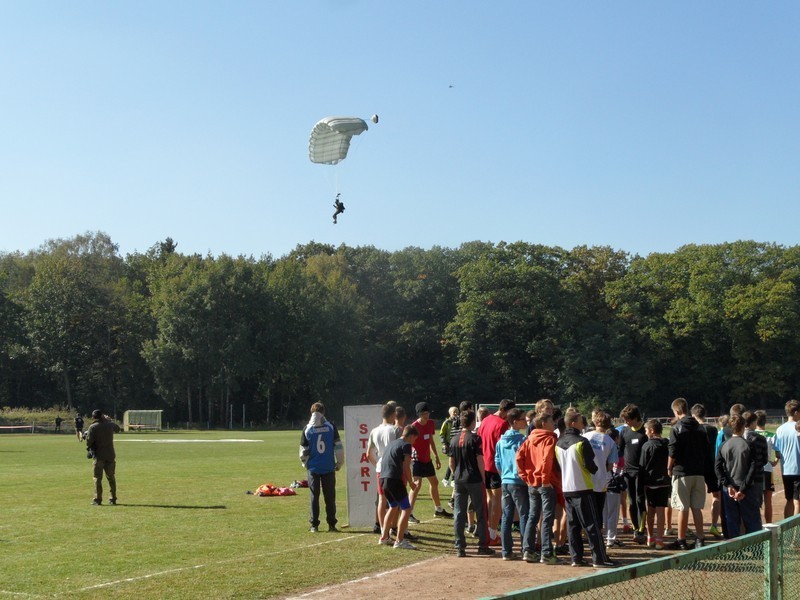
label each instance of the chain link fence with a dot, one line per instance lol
(760, 565)
(790, 558)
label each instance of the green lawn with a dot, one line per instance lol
(184, 527)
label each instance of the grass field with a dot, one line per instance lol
(184, 526)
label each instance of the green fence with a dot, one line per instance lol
(761, 565)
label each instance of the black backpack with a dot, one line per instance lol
(617, 483)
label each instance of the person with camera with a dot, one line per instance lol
(100, 448)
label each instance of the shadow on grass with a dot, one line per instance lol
(181, 506)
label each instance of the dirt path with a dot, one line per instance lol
(448, 577)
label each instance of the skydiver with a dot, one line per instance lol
(339, 206)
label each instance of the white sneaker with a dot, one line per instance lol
(405, 545)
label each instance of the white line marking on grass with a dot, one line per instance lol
(184, 441)
(215, 563)
(139, 578)
(366, 578)
(21, 594)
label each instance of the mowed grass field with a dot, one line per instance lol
(184, 526)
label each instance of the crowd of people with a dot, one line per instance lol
(542, 484)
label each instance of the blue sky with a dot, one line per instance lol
(639, 125)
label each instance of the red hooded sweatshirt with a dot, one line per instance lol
(536, 459)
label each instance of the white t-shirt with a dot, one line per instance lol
(605, 451)
(380, 438)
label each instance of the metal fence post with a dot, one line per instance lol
(773, 590)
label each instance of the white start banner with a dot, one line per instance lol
(362, 486)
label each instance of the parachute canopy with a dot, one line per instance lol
(330, 138)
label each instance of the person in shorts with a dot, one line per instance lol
(492, 428)
(688, 448)
(379, 439)
(787, 449)
(395, 471)
(422, 467)
(656, 482)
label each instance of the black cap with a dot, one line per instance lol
(422, 407)
(97, 413)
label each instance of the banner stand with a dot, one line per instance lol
(362, 487)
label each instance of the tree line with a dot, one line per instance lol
(201, 336)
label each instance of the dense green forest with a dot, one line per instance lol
(83, 327)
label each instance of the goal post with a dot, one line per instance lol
(141, 420)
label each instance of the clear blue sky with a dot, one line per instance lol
(640, 125)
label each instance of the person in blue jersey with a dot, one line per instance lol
(321, 452)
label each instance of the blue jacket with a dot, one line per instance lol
(505, 457)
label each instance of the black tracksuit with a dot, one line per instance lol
(631, 445)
